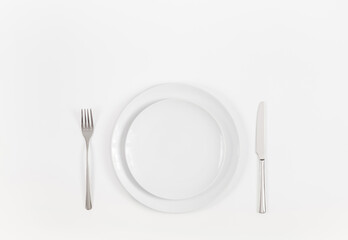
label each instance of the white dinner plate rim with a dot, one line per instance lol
(190, 94)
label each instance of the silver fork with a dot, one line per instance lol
(87, 132)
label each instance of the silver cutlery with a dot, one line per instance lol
(87, 132)
(260, 151)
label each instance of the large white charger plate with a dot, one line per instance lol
(175, 148)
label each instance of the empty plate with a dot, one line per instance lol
(175, 148)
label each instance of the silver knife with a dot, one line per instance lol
(260, 151)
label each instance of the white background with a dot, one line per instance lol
(61, 55)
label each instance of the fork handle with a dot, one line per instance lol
(88, 190)
(262, 207)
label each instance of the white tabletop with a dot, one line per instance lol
(59, 56)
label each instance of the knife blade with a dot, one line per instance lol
(260, 131)
(260, 151)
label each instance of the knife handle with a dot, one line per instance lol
(262, 208)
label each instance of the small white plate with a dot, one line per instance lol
(175, 148)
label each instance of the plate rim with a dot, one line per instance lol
(127, 116)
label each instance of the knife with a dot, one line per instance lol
(260, 151)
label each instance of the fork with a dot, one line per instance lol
(87, 132)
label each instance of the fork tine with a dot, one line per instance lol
(90, 112)
(85, 117)
(81, 118)
(88, 117)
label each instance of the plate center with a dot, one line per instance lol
(174, 149)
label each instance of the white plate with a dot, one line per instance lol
(175, 148)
